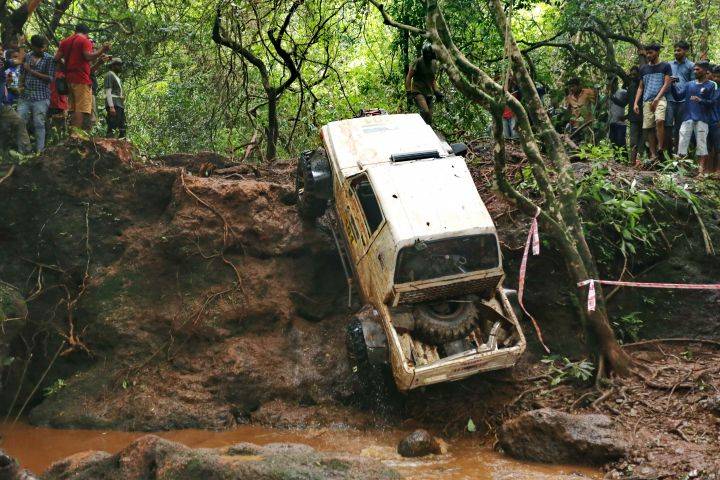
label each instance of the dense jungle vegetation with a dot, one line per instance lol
(334, 57)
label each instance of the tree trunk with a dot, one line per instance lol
(273, 126)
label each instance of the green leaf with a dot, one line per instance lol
(471, 426)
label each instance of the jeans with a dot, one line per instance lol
(39, 109)
(700, 129)
(509, 128)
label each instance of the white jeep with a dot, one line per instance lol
(418, 241)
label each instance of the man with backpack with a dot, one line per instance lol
(76, 52)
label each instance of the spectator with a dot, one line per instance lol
(637, 142)
(77, 52)
(579, 102)
(420, 83)
(115, 99)
(654, 87)
(617, 131)
(58, 106)
(699, 95)
(11, 125)
(509, 118)
(12, 76)
(38, 70)
(682, 73)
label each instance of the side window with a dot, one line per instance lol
(368, 202)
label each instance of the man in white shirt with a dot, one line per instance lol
(115, 99)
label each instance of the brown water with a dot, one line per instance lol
(36, 448)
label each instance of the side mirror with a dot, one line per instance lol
(459, 149)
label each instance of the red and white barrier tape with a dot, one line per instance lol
(680, 286)
(534, 240)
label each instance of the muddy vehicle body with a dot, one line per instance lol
(420, 245)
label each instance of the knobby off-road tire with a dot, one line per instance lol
(310, 207)
(371, 382)
(437, 327)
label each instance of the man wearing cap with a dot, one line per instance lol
(76, 52)
(115, 99)
(652, 92)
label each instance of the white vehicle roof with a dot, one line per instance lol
(420, 199)
(356, 143)
(429, 199)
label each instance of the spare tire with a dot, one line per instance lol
(442, 322)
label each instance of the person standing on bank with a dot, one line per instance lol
(699, 96)
(682, 73)
(37, 71)
(420, 83)
(77, 52)
(655, 81)
(115, 99)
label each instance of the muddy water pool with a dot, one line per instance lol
(467, 459)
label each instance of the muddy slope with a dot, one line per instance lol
(165, 300)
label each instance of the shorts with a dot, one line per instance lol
(650, 118)
(80, 98)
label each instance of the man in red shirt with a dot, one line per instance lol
(76, 52)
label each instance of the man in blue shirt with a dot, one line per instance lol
(682, 73)
(38, 70)
(651, 98)
(699, 96)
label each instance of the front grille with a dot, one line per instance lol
(450, 291)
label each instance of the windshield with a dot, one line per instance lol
(442, 258)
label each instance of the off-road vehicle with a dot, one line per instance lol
(416, 237)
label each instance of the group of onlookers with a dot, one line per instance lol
(668, 106)
(38, 90)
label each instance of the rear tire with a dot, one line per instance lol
(309, 206)
(437, 323)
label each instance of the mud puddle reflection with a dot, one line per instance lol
(36, 448)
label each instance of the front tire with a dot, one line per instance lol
(371, 382)
(310, 207)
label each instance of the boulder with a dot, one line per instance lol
(551, 436)
(10, 469)
(418, 444)
(151, 457)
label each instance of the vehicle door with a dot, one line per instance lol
(371, 224)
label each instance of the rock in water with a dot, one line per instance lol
(551, 436)
(151, 458)
(10, 469)
(418, 444)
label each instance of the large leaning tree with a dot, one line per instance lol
(558, 207)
